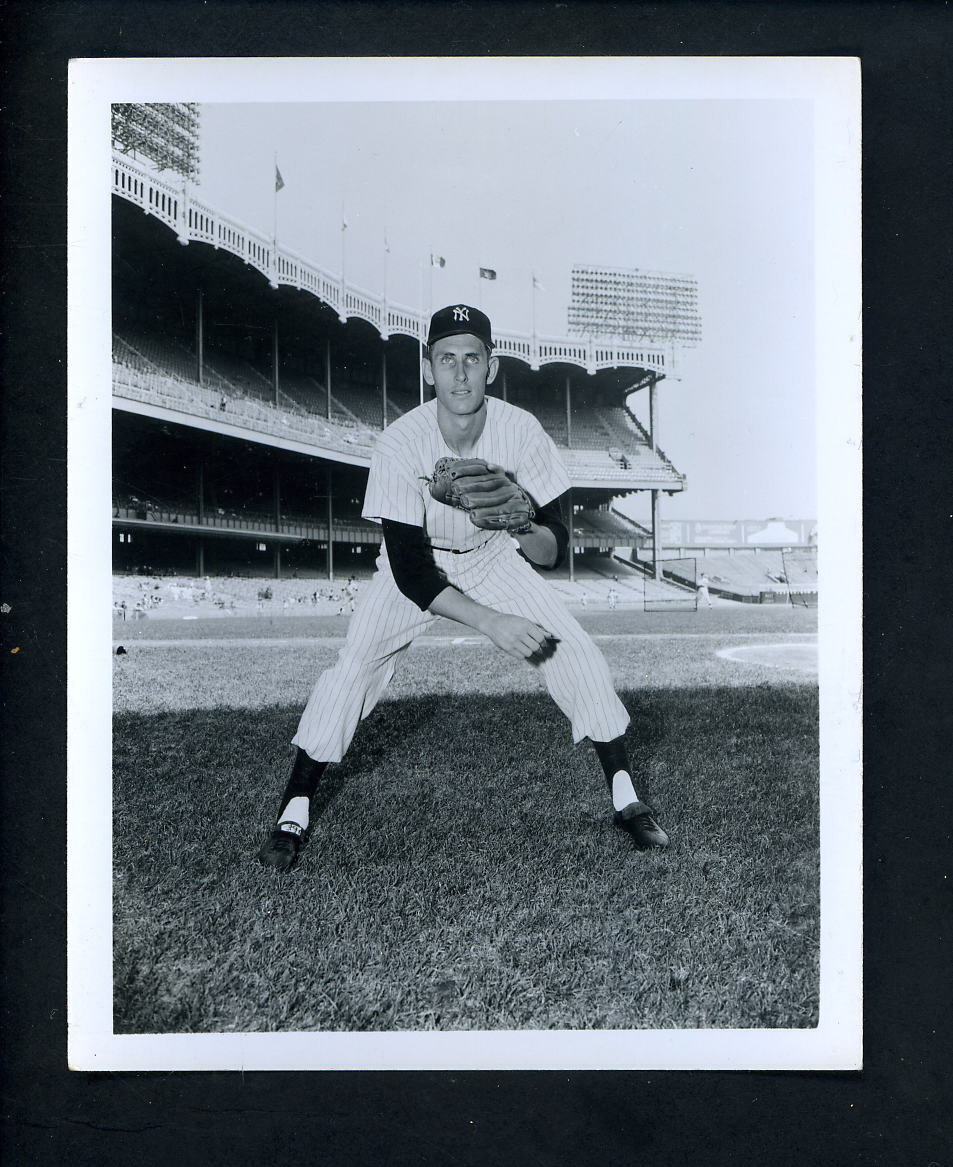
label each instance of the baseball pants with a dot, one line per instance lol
(385, 624)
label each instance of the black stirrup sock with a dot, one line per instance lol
(305, 774)
(613, 756)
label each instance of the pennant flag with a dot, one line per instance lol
(487, 273)
(344, 224)
(279, 181)
(387, 245)
(537, 285)
(437, 261)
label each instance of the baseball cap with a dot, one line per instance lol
(457, 319)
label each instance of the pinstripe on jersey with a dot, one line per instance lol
(404, 458)
(492, 573)
(386, 622)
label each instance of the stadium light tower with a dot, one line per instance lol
(630, 304)
(167, 133)
(626, 305)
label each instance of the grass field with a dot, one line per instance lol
(462, 870)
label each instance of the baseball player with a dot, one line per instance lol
(461, 485)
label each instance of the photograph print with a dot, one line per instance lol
(467, 449)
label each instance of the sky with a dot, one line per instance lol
(720, 190)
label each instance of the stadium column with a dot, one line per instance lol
(276, 494)
(327, 372)
(656, 560)
(330, 529)
(384, 383)
(568, 413)
(200, 489)
(653, 438)
(572, 538)
(199, 336)
(274, 357)
(503, 382)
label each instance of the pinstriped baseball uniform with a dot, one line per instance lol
(484, 565)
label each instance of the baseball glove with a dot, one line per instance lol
(485, 491)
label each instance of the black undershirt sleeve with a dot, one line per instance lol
(415, 571)
(411, 560)
(553, 516)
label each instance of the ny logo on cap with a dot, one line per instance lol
(461, 313)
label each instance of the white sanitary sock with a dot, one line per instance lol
(623, 792)
(296, 812)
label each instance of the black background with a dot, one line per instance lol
(893, 1113)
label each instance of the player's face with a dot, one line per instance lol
(460, 369)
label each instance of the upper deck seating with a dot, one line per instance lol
(608, 444)
(156, 370)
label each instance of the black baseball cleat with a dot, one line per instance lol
(638, 820)
(280, 849)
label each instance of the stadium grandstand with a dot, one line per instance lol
(249, 385)
(749, 561)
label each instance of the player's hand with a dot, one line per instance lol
(491, 481)
(517, 636)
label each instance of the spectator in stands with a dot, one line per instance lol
(223, 404)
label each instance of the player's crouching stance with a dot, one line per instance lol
(454, 482)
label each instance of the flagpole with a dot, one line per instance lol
(273, 264)
(534, 306)
(343, 238)
(537, 286)
(274, 196)
(386, 257)
(342, 314)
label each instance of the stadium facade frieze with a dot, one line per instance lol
(193, 221)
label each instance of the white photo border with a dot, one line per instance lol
(832, 85)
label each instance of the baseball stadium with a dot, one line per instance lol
(465, 880)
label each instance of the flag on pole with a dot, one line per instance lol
(537, 285)
(437, 260)
(279, 183)
(487, 273)
(344, 224)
